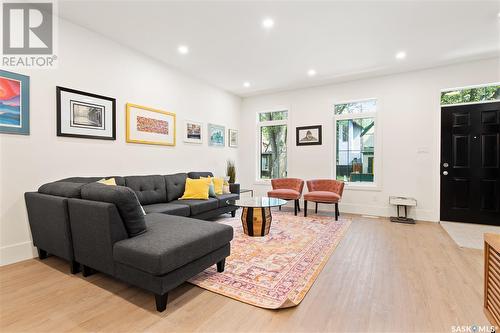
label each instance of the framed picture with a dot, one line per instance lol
(216, 135)
(308, 135)
(233, 138)
(150, 126)
(193, 132)
(85, 115)
(14, 103)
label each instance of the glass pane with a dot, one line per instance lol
(273, 152)
(370, 105)
(277, 115)
(355, 149)
(471, 95)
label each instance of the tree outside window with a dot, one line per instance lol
(273, 144)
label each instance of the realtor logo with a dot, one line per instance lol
(28, 34)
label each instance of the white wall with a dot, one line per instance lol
(95, 64)
(408, 134)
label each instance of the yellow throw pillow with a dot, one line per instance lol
(218, 184)
(110, 181)
(196, 188)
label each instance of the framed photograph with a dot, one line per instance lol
(308, 135)
(216, 135)
(85, 115)
(14, 103)
(150, 126)
(233, 138)
(193, 132)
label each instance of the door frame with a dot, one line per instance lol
(437, 166)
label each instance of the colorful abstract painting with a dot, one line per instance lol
(152, 125)
(14, 103)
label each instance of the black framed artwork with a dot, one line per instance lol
(85, 115)
(309, 135)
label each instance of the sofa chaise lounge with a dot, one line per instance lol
(102, 228)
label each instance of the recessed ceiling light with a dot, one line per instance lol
(268, 23)
(400, 55)
(311, 72)
(246, 84)
(183, 49)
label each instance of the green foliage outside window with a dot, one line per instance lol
(471, 95)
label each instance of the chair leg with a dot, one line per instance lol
(220, 265)
(42, 254)
(295, 207)
(305, 208)
(279, 207)
(161, 302)
(298, 205)
(316, 210)
(337, 211)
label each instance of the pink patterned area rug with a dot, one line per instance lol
(277, 270)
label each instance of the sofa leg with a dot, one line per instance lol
(74, 267)
(305, 208)
(161, 302)
(337, 211)
(233, 213)
(295, 207)
(220, 265)
(42, 254)
(87, 271)
(316, 210)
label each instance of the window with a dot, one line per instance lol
(272, 130)
(355, 141)
(471, 95)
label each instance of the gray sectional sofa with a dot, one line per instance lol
(103, 228)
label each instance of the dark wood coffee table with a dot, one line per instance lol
(256, 216)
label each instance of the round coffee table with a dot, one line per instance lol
(256, 216)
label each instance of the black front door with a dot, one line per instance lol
(470, 163)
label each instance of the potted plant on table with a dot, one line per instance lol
(231, 171)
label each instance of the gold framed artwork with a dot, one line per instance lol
(149, 126)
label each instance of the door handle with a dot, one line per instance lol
(445, 173)
(445, 165)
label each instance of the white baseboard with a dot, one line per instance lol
(16, 252)
(385, 211)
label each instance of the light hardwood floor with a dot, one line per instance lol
(382, 277)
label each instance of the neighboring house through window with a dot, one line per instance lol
(355, 141)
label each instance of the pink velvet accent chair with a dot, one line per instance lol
(327, 191)
(287, 189)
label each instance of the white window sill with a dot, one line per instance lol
(362, 187)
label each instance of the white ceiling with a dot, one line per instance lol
(341, 40)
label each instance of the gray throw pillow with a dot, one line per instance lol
(125, 201)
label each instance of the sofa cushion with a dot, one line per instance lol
(200, 206)
(62, 189)
(197, 175)
(168, 208)
(223, 198)
(175, 184)
(125, 201)
(171, 242)
(149, 189)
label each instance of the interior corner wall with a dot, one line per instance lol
(92, 63)
(408, 129)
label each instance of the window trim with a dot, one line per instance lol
(259, 125)
(376, 185)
